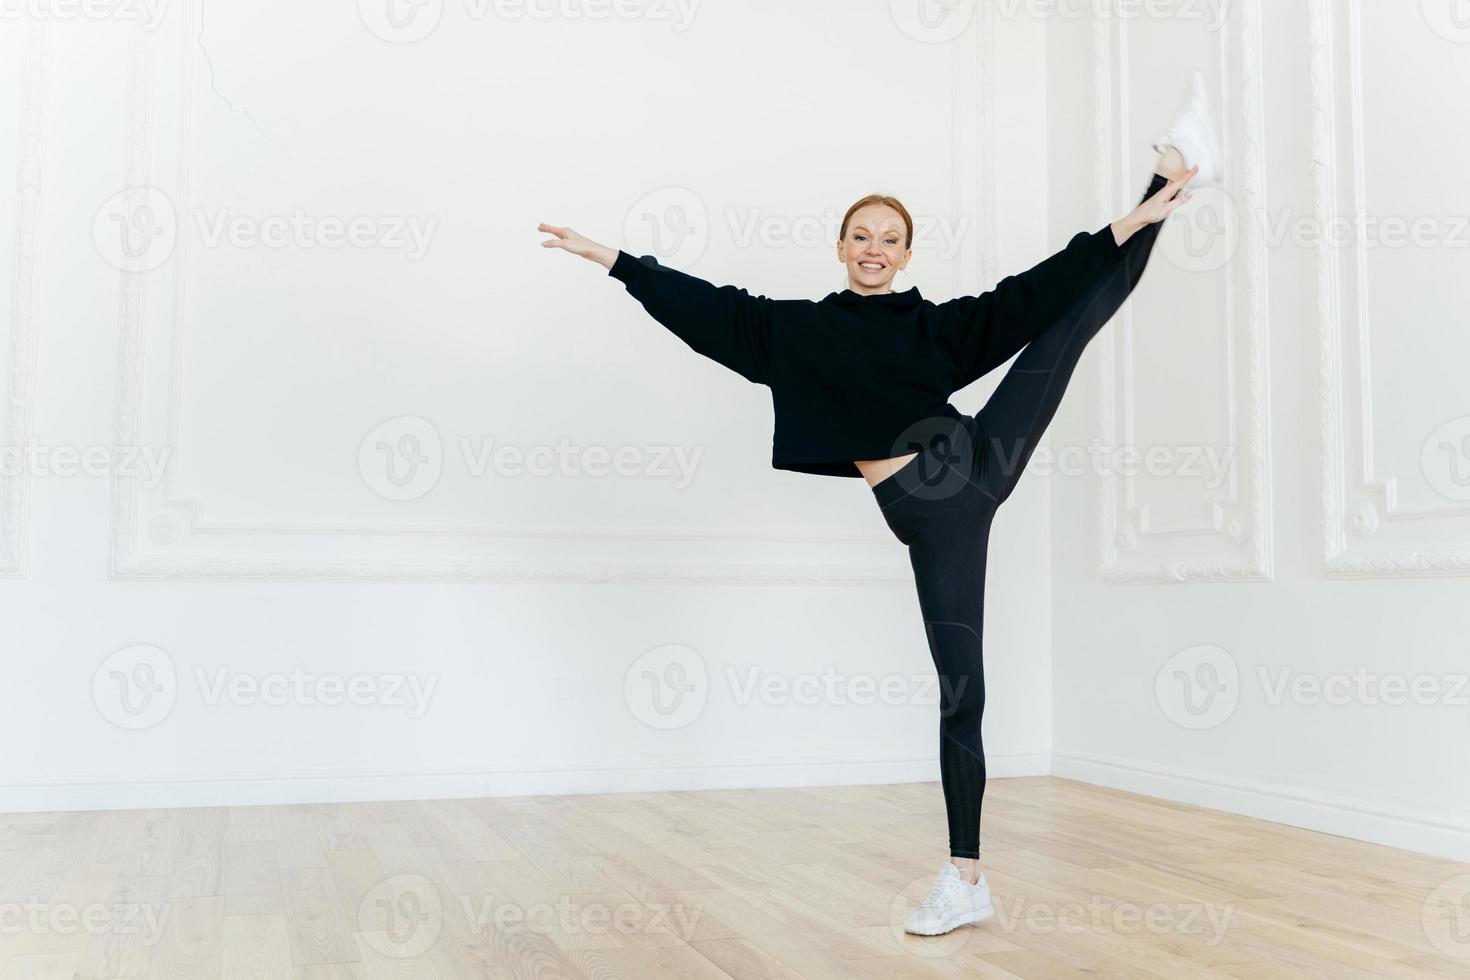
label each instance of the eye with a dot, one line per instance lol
(891, 241)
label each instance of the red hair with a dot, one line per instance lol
(892, 202)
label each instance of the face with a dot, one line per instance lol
(874, 250)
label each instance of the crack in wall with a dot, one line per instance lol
(212, 84)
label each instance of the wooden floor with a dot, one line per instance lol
(797, 883)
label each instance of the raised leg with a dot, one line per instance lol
(1009, 334)
(1016, 415)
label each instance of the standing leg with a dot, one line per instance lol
(948, 558)
(947, 538)
(1013, 420)
(947, 535)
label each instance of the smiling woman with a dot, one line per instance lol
(860, 381)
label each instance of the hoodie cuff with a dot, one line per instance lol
(624, 267)
(1107, 245)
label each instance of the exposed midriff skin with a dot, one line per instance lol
(875, 471)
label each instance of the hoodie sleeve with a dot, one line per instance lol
(724, 323)
(979, 333)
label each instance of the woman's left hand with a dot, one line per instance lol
(1156, 208)
(1162, 204)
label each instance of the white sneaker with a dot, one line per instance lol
(954, 902)
(1195, 134)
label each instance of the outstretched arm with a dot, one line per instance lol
(724, 323)
(982, 332)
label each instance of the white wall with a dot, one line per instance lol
(1336, 551)
(537, 606)
(260, 372)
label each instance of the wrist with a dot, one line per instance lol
(1125, 226)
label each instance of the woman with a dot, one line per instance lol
(860, 383)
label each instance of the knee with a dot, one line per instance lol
(957, 659)
(961, 702)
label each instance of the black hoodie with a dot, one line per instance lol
(863, 377)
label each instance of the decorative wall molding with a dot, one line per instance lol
(984, 170)
(1238, 530)
(1357, 510)
(168, 534)
(29, 189)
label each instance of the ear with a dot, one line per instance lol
(908, 253)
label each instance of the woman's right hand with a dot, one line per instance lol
(578, 245)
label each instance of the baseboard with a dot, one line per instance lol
(274, 789)
(1441, 836)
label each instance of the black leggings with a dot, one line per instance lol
(940, 504)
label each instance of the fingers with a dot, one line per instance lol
(1175, 204)
(1168, 191)
(564, 236)
(1184, 178)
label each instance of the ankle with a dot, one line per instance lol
(1171, 163)
(969, 869)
